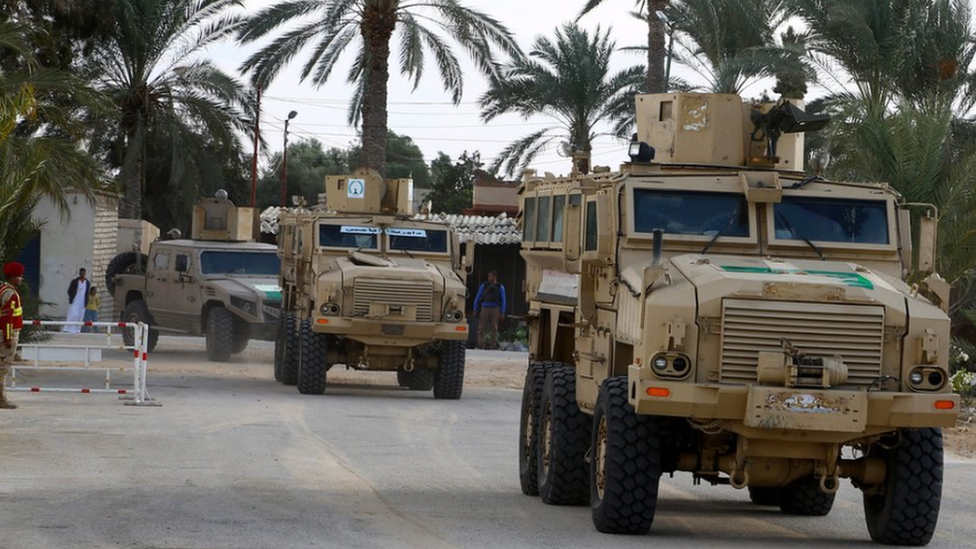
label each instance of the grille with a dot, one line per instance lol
(394, 292)
(855, 332)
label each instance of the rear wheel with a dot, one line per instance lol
(625, 471)
(564, 436)
(804, 497)
(535, 380)
(135, 312)
(418, 379)
(312, 367)
(905, 510)
(449, 375)
(220, 334)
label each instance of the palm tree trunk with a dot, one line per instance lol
(656, 47)
(379, 20)
(130, 206)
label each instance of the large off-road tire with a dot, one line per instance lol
(535, 380)
(805, 498)
(242, 334)
(418, 379)
(279, 349)
(907, 509)
(564, 436)
(764, 495)
(449, 375)
(124, 263)
(625, 470)
(312, 366)
(219, 334)
(291, 352)
(138, 311)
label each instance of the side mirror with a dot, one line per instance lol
(467, 260)
(598, 229)
(573, 223)
(927, 241)
(905, 238)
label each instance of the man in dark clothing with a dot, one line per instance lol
(491, 302)
(77, 301)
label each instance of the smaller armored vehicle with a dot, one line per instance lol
(220, 284)
(367, 285)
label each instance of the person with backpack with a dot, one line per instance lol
(491, 302)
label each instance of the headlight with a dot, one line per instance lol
(453, 316)
(331, 309)
(927, 378)
(248, 307)
(673, 365)
(916, 378)
(660, 363)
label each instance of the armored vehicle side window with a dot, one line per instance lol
(182, 263)
(417, 240)
(544, 214)
(348, 236)
(558, 207)
(832, 220)
(591, 225)
(528, 220)
(691, 213)
(239, 263)
(161, 261)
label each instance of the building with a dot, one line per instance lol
(83, 237)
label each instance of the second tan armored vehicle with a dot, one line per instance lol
(711, 308)
(220, 284)
(366, 285)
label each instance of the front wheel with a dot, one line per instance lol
(535, 380)
(312, 367)
(135, 312)
(290, 350)
(220, 334)
(449, 375)
(905, 510)
(625, 471)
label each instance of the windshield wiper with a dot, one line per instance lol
(799, 234)
(725, 229)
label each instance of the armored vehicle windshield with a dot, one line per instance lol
(215, 262)
(832, 220)
(690, 212)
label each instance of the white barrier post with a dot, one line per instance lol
(139, 395)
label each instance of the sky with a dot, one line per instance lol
(427, 114)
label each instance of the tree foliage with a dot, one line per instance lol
(308, 164)
(657, 30)
(452, 185)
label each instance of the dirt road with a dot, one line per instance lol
(234, 460)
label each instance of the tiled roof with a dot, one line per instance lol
(481, 229)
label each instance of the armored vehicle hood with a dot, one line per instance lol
(717, 276)
(264, 288)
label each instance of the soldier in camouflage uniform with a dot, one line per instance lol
(11, 321)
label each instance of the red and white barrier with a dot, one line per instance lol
(137, 396)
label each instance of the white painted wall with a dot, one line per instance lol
(69, 243)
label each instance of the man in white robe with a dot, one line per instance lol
(77, 299)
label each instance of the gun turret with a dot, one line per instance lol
(719, 129)
(365, 191)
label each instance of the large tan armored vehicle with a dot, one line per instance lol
(220, 284)
(368, 286)
(711, 308)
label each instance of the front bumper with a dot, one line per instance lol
(390, 333)
(801, 413)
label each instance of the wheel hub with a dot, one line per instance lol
(601, 457)
(546, 434)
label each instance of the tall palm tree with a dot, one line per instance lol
(656, 33)
(39, 155)
(333, 25)
(568, 80)
(150, 67)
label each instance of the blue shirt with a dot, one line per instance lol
(481, 290)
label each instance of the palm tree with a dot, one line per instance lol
(729, 43)
(333, 25)
(38, 151)
(568, 80)
(656, 34)
(150, 68)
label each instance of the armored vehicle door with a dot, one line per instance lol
(158, 284)
(185, 287)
